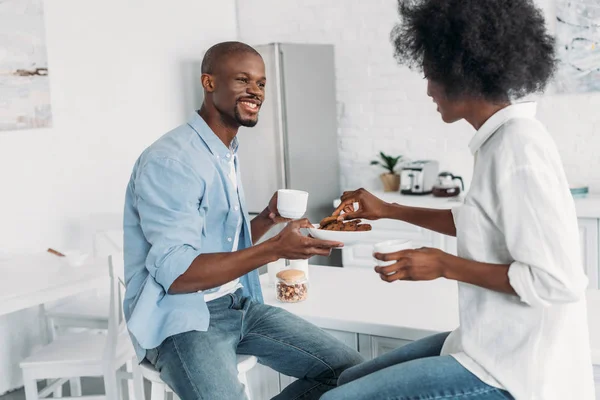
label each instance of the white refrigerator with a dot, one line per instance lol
(295, 143)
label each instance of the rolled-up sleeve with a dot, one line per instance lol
(168, 193)
(540, 228)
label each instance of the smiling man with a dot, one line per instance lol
(193, 298)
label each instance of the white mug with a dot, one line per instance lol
(273, 268)
(391, 246)
(291, 203)
(302, 265)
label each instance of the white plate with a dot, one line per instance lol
(348, 238)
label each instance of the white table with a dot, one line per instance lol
(29, 280)
(34, 279)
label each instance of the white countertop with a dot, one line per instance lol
(357, 300)
(593, 310)
(427, 201)
(588, 207)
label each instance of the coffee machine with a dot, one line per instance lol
(418, 177)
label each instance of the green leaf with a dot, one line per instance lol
(388, 162)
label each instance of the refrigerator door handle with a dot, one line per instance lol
(282, 120)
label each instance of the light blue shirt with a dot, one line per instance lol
(180, 203)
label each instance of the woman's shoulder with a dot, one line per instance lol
(521, 143)
(523, 129)
(520, 135)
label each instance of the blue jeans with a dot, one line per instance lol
(202, 365)
(413, 372)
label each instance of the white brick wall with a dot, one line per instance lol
(382, 106)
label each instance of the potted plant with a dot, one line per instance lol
(390, 179)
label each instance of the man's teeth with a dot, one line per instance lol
(251, 105)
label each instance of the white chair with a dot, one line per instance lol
(85, 354)
(89, 310)
(159, 390)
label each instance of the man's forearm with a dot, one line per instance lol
(436, 220)
(210, 270)
(489, 276)
(260, 225)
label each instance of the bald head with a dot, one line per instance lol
(233, 78)
(217, 54)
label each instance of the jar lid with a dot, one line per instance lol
(291, 275)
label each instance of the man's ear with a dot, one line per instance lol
(208, 83)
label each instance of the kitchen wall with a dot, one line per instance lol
(120, 75)
(385, 107)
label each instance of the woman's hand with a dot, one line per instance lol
(369, 206)
(422, 264)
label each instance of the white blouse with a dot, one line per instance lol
(519, 211)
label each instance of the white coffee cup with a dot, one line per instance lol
(273, 268)
(302, 265)
(291, 203)
(391, 246)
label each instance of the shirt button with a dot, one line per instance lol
(236, 208)
(228, 155)
(229, 239)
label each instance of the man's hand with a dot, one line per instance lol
(293, 245)
(273, 213)
(369, 206)
(266, 219)
(422, 264)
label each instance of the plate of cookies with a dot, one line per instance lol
(348, 232)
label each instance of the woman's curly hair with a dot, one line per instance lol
(492, 49)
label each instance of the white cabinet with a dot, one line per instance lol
(597, 380)
(348, 338)
(263, 382)
(373, 346)
(588, 236)
(266, 383)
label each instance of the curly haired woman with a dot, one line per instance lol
(523, 331)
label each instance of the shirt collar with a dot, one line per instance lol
(489, 127)
(215, 145)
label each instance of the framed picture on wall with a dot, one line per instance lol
(24, 82)
(578, 46)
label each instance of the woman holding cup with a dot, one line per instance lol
(523, 331)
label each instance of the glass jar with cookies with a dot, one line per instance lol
(292, 286)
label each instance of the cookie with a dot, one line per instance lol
(327, 220)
